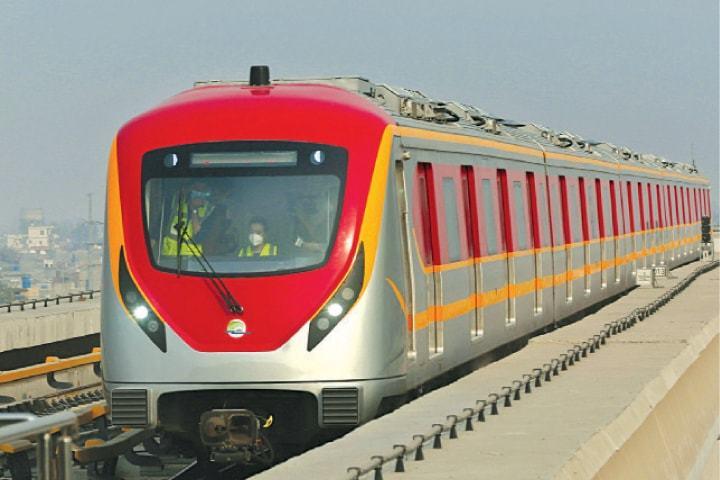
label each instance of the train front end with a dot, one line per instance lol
(242, 229)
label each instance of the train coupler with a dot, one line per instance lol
(235, 436)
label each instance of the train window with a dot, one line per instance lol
(423, 214)
(678, 209)
(489, 214)
(697, 207)
(574, 202)
(592, 211)
(556, 213)
(584, 210)
(661, 210)
(519, 217)
(681, 197)
(642, 206)
(566, 202)
(607, 208)
(471, 211)
(632, 208)
(242, 224)
(602, 219)
(707, 202)
(505, 227)
(670, 210)
(542, 216)
(614, 208)
(623, 209)
(532, 205)
(650, 207)
(691, 206)
(452, 227)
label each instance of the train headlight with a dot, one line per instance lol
(334, 309)
(339, 304)
(140, 312)
(139, 309)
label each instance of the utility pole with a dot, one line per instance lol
(93, 245)
(88, 249)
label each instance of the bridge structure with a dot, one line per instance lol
(630, 391)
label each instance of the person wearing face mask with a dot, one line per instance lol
(258, 243)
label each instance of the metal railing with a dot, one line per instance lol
(516, 388)
(49, 301)
(53, 440)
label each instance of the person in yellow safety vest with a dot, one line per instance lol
(193, 219)
(259, 246)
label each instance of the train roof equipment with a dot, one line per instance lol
(408, 106)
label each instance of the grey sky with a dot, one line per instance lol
(641, 73)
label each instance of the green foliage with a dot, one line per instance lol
(7, 294)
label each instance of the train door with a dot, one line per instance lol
(696, 217)
(472, 215)
(678, 223)
(493, 264)
(616, 223)
(653, 226)
(427, 297)
(585, 212)
(686, 220)
(559, 262)
(543, 243)
(523, 255)
(662, 241)
(643, 228)
(405, 229)
(454, 273)
(607, 248)
(623, 214)
(565, 194)
(506, 235)
(670, 227)
(532, 208)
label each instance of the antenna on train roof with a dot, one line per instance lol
(259, 76)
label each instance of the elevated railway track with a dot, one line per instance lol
(96, 445)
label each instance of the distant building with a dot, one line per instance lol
(15, 241)
(38, 237)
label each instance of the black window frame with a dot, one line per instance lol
(335, 163)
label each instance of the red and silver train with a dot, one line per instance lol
(286, 257)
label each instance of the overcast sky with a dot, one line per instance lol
(641, 73)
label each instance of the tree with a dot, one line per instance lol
(7, 294)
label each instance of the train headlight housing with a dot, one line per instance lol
(339, 304)
(139, 310)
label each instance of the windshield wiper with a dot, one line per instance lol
(180, 229)
(217, 282)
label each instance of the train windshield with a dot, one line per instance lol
(257, 209)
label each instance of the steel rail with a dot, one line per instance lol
(543, 373)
